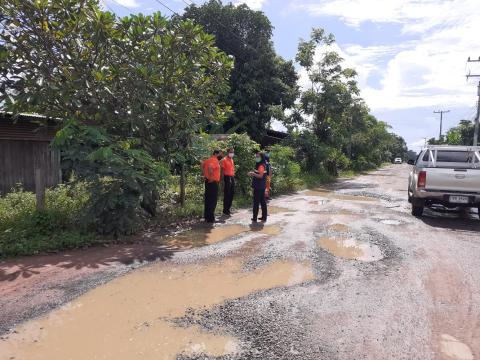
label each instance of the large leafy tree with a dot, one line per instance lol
(262, 83)
(462, 134)
(143, 84)
(333, 89)
(337, 129)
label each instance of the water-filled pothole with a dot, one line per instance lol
(391, 222)
(278, 210)
(130, 317)
(204, 235)
(350, 248)
(338, 196)
(272, 230)
(208, 235)
(341, 228)
(454, 349)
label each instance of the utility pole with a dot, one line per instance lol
(441, 112)
(477, 118)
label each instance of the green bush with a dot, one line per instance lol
(124, 181)
(286, 172)
(362, 164)
(26, 231)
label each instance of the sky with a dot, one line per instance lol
(411, 55)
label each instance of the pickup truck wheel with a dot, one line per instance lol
(417, 210)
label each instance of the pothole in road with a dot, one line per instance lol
(131, 317)
(455, 349)
(202, 236)
(340, 228)
(278, 210)
(272, 230)
(338, 196)
(391, 222)
(350, 248)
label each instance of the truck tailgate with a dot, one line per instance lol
(455, 180)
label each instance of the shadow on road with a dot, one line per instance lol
(93, 258)
(459, 220)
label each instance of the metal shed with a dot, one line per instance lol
(25, 150)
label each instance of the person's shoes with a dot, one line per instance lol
(254, 220)
(263, 219)
(227, 213)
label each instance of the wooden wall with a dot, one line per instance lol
(18, 160)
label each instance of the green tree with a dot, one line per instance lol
(145, 81)
(462, 134)
(262, 83)
(327, 107)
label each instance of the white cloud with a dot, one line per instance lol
(415, 15)
(126, 3)
(252, 4)
(417, 145)
(426, 72)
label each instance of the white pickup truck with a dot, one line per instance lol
(445, 175)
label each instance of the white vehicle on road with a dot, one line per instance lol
(398, 161)
(445, 175)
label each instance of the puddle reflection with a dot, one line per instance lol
(350, 248)
(131, 317)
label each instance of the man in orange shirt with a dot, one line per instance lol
(228, 168)
(211, 173)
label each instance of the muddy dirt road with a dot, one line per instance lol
(337, 273)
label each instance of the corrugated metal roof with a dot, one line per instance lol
(29, 127)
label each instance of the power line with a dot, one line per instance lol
(120, 4)
(226, 47)
(228, 30)
(165, 6)
(441, 112)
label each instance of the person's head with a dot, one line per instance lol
(259, 157)
(230, 152)
(217, 153)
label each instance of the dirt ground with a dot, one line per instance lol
(343, 272)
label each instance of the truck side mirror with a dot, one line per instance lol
(411, 162)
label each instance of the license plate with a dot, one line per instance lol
(459, 199)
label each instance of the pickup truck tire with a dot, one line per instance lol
(417, 210)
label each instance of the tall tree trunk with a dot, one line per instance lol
(40, 188)
(182, 185)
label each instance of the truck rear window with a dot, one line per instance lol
(455, 156)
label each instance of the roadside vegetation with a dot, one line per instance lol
(462, 134)
(139, 98)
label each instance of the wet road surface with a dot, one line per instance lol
(343, 272)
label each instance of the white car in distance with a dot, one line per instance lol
(398, 161)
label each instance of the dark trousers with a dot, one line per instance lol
(228, 192)
(211, 195)
(259, 199)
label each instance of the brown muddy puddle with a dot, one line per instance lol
(272, 230)
(341, 228)
(350, 248)
(455, 349)
(131, 317)
(272, 210)
(202, 236)
(337, 196)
